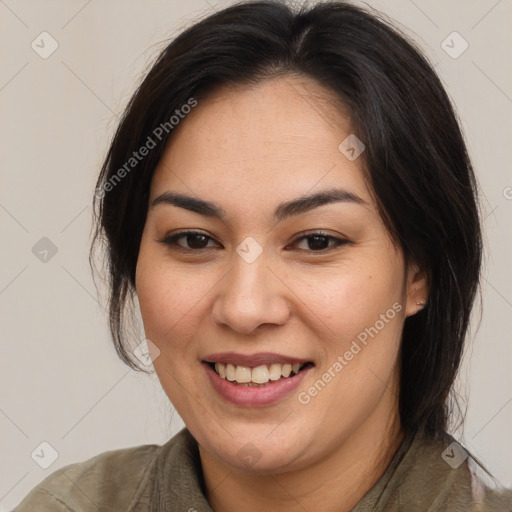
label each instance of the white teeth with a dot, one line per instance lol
(230, 372)
(242, 374)
(286, 370)
(275, 371)
(220, 369)
(258, 375)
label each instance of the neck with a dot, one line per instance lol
(338, 481)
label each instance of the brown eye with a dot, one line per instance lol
(320, 242)
(194, 240)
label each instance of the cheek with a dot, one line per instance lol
(169, 299)
(345, 300)
(363, 313)
(363, 307)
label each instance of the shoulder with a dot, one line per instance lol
(444, 474)
(105, 482)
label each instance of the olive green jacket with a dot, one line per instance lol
(433, 476)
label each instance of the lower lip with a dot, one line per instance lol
(257, 396)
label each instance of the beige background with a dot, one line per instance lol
(61, 381)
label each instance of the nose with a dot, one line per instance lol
(251, 295)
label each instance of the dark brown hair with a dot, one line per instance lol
(415, 161)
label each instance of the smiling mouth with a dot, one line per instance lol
(259, 375)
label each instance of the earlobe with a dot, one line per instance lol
(417, 290)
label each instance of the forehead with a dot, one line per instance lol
(279, 138)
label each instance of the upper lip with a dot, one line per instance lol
(252, 360)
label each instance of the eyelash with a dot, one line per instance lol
(171, 241)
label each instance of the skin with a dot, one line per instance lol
(247, 150)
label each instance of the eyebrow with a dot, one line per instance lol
(283, 210)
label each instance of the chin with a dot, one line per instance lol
(257, 448)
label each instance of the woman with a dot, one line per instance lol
(290, 199)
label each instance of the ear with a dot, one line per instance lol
(417, 289)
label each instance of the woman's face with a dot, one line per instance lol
(252, 293)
